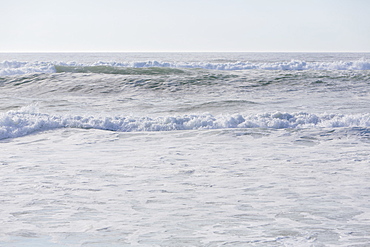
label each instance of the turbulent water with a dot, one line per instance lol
(185, 149)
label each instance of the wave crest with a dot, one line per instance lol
(19, 68)
(361, 64)
(8, 68)
(27, 121)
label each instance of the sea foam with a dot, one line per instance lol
(27, 121)
(361, 64)
(8, 68)
(290, 65)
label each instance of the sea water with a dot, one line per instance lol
(185, 149)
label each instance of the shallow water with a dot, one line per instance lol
(197, 158)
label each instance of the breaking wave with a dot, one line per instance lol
(19, 68)
(290, 65)
(8, 68)
(27, 121)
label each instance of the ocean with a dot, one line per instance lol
(185, 149)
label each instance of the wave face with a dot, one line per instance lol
(27, 121)
(8, 68)
(122, 70)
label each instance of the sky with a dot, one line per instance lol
(185, 25)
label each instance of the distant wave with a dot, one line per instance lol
(19, 68)
(27, 121)
(291, 65)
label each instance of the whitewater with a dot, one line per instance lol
(184, 149)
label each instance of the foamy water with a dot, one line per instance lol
(184, 149)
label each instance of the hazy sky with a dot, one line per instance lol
(184, 25)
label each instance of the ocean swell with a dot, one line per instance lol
(27, 121)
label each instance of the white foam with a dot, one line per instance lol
(289, 65)
(28, 120)
(8, 68)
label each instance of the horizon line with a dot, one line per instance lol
(184, 51)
